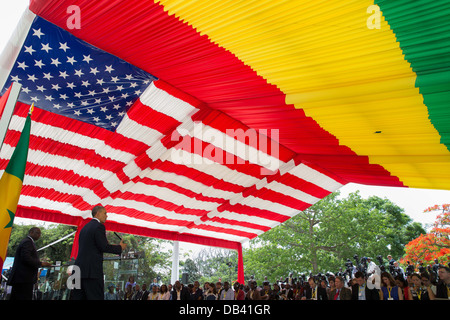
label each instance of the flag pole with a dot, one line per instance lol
(9, 110)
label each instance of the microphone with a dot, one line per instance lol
(118, 236)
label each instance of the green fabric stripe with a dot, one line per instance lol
(18, 161)
(422, 28)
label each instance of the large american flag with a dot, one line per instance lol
(65, 75)
(106, 132)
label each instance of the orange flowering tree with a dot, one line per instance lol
(433, 245)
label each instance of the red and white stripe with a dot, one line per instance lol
(133, 172)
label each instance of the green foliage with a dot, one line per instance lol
(58, 252)
(322, 237)
(210, 265)
(156, 261)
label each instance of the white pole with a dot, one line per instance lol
(175, 260)
(9, 110)
(55, 242)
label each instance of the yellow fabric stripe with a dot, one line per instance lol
(10, 187)
(352, 80)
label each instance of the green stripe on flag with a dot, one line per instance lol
(17, 164)
(422, 29)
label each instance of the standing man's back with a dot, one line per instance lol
(25, 268)
(92, 244)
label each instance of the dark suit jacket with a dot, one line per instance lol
(92, 244)
(321, 293)
(371, 294)
(255, 296)
(184, 294)
(344, 294)
(289, 294)
(26, 263)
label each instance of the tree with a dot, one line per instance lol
(433, 245)
(323, 236)
(211, 265)
(18, 232)
(190, 267)
(58, 252)
(155, 261)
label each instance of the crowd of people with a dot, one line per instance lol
(364, 280)
(368, 282)
(177, 291)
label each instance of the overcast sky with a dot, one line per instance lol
(414, 201)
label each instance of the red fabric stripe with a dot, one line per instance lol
(182, 223)
(56, 148)
(112, 139)
(154, 201)
(179, 94)
(75, 201)
(196, 175)
(211, 152)
(259, 139)
(277, 197)
(226, 231)
(122, 176)
(303, 185)
(47, 215)
(68, 176)
(181, 190)
(169, 235)
(148, 117)
(250, 211)
(240, 223)
(133, 213)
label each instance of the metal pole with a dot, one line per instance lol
(175, 260)
(55, 242)
(9, 110)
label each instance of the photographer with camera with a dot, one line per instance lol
(399, 270)
(409, 268)
(381, 263)
(435, 269)
(349, 268)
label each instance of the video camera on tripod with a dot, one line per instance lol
(361, 265)
(395, 270)
(381, 263)
(349, 268)
(409, 268)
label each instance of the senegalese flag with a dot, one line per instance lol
(11, 186)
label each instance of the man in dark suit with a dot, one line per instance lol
(340, 292)
(179, 292)
(287, 292)
(25, 268)
(314, 291)
(360, 291)
(253, 293)
(92, 244)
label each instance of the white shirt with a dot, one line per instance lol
(227, 295)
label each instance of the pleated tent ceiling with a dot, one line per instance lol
(214, 121)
